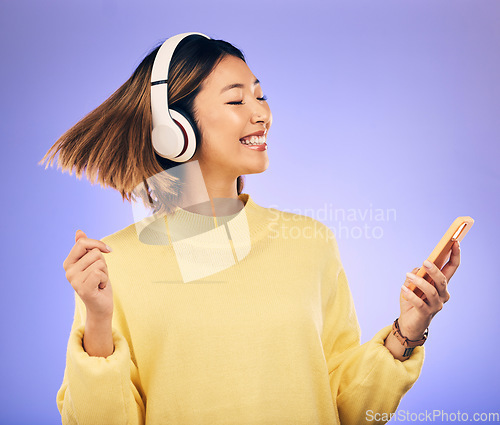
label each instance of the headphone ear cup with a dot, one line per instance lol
(188, 127)
(188, 118)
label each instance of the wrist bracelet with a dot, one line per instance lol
(405, 342)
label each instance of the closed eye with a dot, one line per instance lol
(241, 102)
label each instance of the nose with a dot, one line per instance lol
(261, 113)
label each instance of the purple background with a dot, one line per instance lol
(390, 105)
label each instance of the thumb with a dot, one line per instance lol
(79, 234)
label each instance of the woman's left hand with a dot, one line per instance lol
(417, 313)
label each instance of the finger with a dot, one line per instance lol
(409, 284)
(451, 266)
(87, 280)
(94, 278)
(428, 289)
(79, 234)
(82, 245)
(91, 257)
(413, 299)
(438, 278)
(77, 278)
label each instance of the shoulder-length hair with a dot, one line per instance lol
(113, 142)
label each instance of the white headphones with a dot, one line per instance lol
(173, 134)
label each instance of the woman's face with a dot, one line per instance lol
(227, 114)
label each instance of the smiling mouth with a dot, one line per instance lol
(253, 140)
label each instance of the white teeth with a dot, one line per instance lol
(254, 140)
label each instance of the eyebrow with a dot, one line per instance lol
(239, 85)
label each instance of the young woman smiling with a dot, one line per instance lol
(203, 316)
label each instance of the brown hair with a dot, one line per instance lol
(113, 142)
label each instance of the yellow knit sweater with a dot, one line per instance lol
(249, 321)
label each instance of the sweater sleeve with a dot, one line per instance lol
(99, 390)
(366, 380)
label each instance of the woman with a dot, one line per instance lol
(222, 312)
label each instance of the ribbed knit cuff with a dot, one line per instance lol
(99, 386)
(413, 364)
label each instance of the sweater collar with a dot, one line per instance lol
(182, 225)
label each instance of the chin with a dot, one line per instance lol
(256, 168)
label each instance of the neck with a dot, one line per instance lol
(208, 193)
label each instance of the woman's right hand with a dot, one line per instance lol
(87, 272)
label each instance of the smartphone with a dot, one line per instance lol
(442, 252)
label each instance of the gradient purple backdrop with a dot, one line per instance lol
(390, 105)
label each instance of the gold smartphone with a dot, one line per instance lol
(442, 252)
